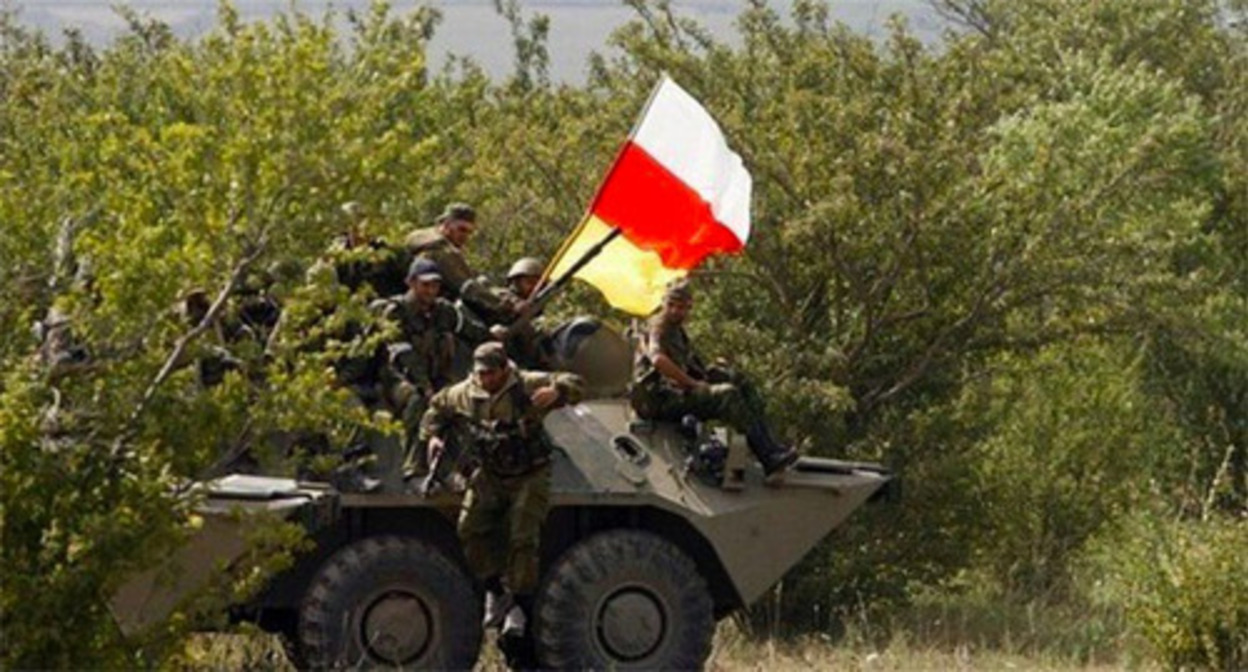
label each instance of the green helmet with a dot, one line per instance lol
(526, 266)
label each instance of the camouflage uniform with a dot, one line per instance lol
(458, 280)
(432, 244)
(524, 341)
(509, 492)
(420, 363)
(730, 397)
(727, 396)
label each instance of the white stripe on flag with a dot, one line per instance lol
(681, 135)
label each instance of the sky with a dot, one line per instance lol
(469, 27)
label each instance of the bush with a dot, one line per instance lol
(1183, 588)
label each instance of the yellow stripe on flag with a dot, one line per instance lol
(631, 279)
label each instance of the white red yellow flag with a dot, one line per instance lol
(676, 193)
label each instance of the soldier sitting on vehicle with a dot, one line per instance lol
(525, 341)
(498, 412)
(443, 243)
(672, 381)
(420, 361)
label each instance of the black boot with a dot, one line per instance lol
(774, 457)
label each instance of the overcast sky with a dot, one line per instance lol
(469, 27)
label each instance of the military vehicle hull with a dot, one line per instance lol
(641, 553)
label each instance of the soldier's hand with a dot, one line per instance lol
(499, 332)
(700, 386)
(436, 447)
(545, 397)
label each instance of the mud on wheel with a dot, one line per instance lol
(624, 600)
(390, 602)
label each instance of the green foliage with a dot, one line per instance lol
(1183, 588)
(1073, 439)
(1013, 267)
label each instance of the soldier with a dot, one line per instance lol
(498, 410)
(420, 362)
(444, 244)
(524, 339)
(672, 381)
(361, 260)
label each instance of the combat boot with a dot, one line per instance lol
(775, 457)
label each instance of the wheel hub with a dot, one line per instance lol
(631, 623)
(396, 627)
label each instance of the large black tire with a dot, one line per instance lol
(624, 600)
(388, 602)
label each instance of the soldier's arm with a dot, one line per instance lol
(468, 327)
(484, 299)
(437, 418)
(657, 349)
(571, 387)
(454, 268)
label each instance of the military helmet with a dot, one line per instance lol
(527, 266)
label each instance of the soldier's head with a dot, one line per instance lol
(424, 279)
(458, 222)
(491, 366)
(524, 276)
(677, 301)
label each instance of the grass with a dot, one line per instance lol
(733, 651)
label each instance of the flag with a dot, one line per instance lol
(675, 194)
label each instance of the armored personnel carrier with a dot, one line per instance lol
(656, 531)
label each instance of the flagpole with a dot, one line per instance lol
(597, 248)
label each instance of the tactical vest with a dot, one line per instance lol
(510, 448)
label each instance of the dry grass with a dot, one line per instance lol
(733, 651)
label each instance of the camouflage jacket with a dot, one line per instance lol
(431, 244)
(663, 338)
(468, 404)
(429, 335)
(458, 280)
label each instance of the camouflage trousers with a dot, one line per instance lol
(730, 398)
(500, 526)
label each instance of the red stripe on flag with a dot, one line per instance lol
(656, 211)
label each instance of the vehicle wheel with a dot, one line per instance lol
(390, 602)
(624, 600)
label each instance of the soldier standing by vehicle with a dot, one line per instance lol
(498, 411)
(672, 381)
(420, 361)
